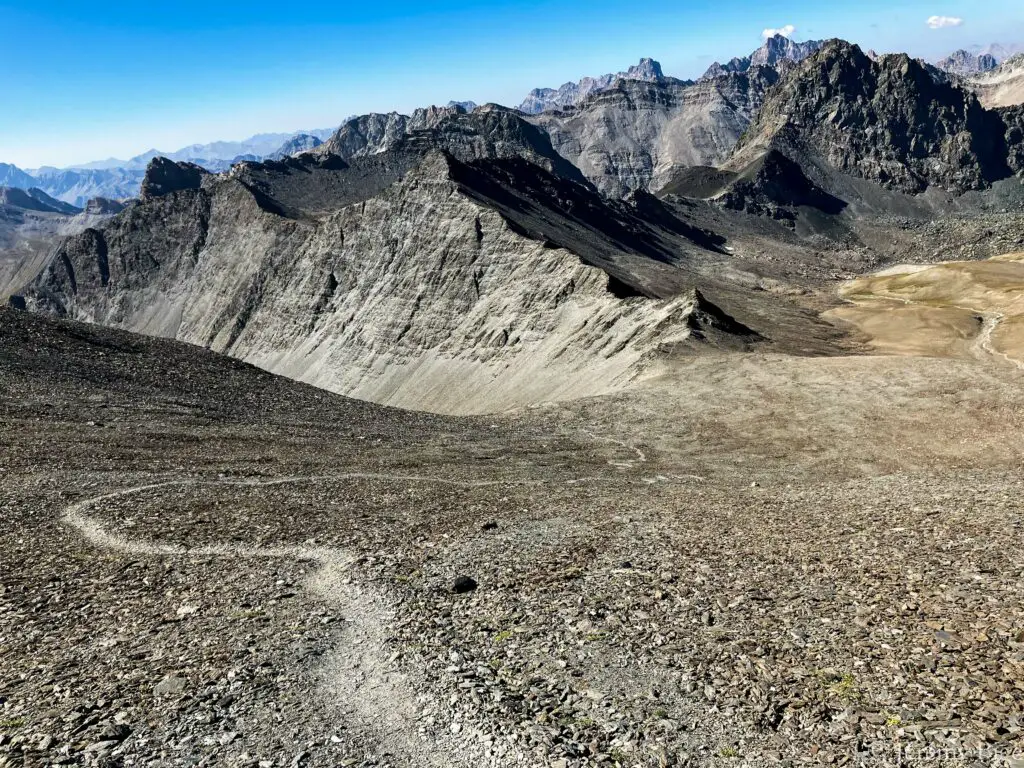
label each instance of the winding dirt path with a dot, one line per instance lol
(641, 457)
(358, 674)
(981, 347)
(984, 340)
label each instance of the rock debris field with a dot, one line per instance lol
(756, 560)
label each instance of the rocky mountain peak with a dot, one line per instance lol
(648, 70)
(966, 63)
(490, 132)
(776, 51)
(780, 48)
(887, 120)
(570, 94)
(164, 176)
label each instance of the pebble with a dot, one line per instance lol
(463, 584)
(170, 686)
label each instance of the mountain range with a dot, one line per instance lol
(544, 99)
(698, 124)
(492, 258)
(120, 179)
(219, 154)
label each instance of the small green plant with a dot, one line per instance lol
(893, 721)
(618, 757)
(14, 722)
(845, 688)
(501, 637)
(660, 714)
(728, 752)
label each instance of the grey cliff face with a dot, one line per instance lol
(448, 284)
(632, 136)
(544, 99)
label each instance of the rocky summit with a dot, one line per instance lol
(570, 94)
(887, 120)
(777, 51)
(966, 63)
(656, 422)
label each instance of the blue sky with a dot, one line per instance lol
(85, 81)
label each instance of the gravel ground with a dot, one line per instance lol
(752, 560)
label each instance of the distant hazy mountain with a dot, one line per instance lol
(469, 106)
(78, 186)
(775, 50)
(258, 146)
(303, 142)
(999, 51)
(115, 179)
(568, 95)
(13, 176)
(35, 200)
(219, 154)
(966, 63)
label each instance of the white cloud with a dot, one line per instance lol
(941, 22)
(786, 31)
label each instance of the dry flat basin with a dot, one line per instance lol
(952, 309)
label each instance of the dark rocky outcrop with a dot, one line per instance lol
(102, 206)
(888, 121)
(772, 185)
(708, 320)
(489, 132)
(1013, 118)
(164, 176)
(774, 182)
